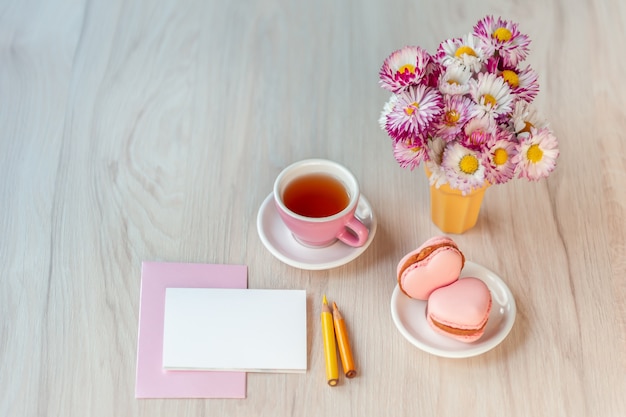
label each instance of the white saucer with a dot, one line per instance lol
(281, 243)
(409, 316)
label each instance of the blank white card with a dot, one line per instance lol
(235, 329)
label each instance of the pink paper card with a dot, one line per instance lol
(151, 380)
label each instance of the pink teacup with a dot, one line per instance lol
(316, 199)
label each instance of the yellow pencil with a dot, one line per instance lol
(345, 352)
(330, 348)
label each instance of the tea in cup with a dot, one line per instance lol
(317, 199)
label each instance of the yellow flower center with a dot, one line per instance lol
(464, 50)
(468, 164)
(407, 68)
(500, 156)
(451, 117)
(511, 78)
(489, 99)
(502, 34)
(409, 110)
(527, 127)
(415, 149)
(534, 154)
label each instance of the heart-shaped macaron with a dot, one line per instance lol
(460, 310)
(437, 263)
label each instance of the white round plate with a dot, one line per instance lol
(409, 316)
(281, 243)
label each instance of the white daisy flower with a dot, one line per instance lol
(387, 109)
(537, 154)
(455, 80)
(525, 117)
(464, 169)
(468, 51)
(491, 94)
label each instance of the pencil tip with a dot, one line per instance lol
(335, 306)
(324, 300)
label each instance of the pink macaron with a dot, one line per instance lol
(435, 264)
(460, 310)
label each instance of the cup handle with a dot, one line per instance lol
(354, 233)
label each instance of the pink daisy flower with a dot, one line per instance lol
(456, 112)
(492, 65)
(523, 83)
(477, 133)
(509, 44)
(537, 154)
(414, 110)
(498, 159)
(409, 153)
(403, 68)
(432, 74)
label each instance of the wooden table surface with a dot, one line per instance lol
(138, 131)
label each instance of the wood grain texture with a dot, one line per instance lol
(138, 130)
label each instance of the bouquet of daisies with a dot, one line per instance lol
(466, 111)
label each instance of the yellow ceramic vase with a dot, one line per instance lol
(453, 212)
